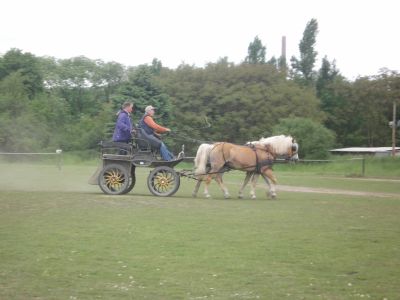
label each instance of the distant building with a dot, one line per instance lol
(377, 151)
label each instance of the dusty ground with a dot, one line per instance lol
(302, 189)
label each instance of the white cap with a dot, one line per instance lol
(148, 108)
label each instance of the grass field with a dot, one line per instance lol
(61, 238)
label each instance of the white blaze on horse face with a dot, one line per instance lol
(295, 156)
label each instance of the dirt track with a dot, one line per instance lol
(302, 189)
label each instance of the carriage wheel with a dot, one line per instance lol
(163, 181)
(132, 181)
(114, 180)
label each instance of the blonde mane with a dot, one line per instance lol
(279, 143)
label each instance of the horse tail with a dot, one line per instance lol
(201, 159)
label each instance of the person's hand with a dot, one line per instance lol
(168, 130)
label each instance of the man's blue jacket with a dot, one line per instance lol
(123, 128)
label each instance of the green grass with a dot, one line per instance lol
(63, 239)
(385, 167)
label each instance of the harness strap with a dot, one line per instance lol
(260, 165)
(225, 167)
(223, 154)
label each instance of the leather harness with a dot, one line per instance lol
(259, 164)
(263, 163)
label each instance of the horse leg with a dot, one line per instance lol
(246, 180)
(196, 188)
(207, 183)
(271, 181)
(253, 185)
(224, 189)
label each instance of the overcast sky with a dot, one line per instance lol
(362, 36)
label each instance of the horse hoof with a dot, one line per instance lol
(227, 196)
(253, 197)
(207, 196)
(194, 195)
(240, 196)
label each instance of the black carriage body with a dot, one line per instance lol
(119, 162)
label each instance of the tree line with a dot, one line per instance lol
(48, 103)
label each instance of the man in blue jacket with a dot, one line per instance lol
(123, 127)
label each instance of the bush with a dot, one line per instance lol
(314, 139)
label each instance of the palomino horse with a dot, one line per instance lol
(245, 158)
(281, 145)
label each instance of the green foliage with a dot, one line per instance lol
(374, 109)
(14, 95)
(314, 139)
(241, 102)
(27, 65)
(303, 67)
(326, 75)
(143, 89)
(88, 131)
(23, 133)
(256, 52)
(334, 91)
(70, 103)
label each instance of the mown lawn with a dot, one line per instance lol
(64, 239)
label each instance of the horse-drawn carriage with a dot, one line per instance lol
(119, 162)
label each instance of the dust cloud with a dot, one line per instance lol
(23, 176)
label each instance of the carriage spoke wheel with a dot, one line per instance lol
(115, 180)
(163, 181)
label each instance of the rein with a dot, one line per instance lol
(177, 134)
(182, 137)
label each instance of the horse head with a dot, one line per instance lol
(294, 153)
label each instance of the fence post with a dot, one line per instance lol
(363, 167)
(59, 158)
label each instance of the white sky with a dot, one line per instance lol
(363, 36)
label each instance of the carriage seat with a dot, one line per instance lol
(108, 147)
(146, 142)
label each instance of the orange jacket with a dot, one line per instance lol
(150, 122)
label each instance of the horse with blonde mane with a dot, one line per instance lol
(282, 145)
(278, 145)
(226, 155)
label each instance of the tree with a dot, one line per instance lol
(326, 75)
(256, 52)
(143, 89)
(106, 78)
(370, 100)
(303, 67)
(14, 94)
(241, 102)
(27, 65)
(156, 66)
(333, 91)
(74, 81)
